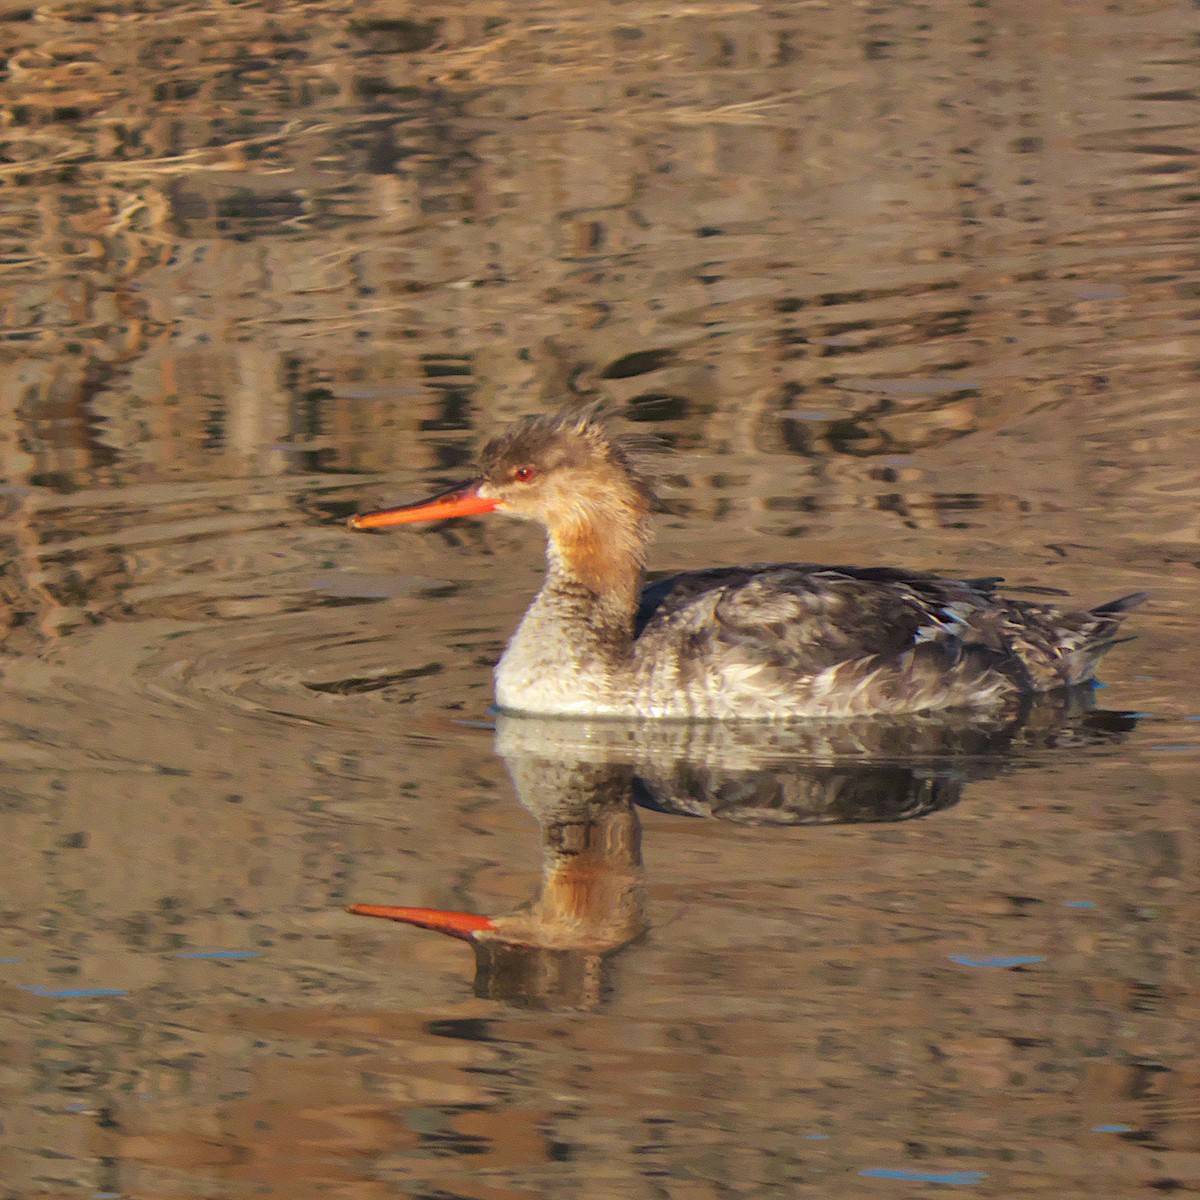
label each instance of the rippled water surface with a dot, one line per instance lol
(904, 283)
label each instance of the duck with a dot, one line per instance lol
(766, 641)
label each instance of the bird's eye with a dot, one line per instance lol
(524, 474)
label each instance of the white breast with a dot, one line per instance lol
(543, 671)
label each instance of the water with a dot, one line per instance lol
(908, 284)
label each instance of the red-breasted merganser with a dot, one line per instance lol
(755, 642)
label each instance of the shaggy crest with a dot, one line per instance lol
(581, 438)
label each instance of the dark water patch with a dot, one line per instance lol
(640, 362)
(358, 687)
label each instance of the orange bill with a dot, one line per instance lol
(456, 924)
(463, 500)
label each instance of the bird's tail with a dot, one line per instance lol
(1096, 634)
(1119, 607)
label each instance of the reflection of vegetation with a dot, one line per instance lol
(245, 242)
(478, 213)
(68, 80)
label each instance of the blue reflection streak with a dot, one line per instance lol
(72, 993)
(1012, 960)
(960, 1177)
(217, 954)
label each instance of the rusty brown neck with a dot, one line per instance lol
(573, 651)
(595, 557)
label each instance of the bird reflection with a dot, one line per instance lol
(551, 953)
(585, 780)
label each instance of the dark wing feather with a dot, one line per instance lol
(807, 618)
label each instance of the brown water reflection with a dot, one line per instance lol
(903, 283)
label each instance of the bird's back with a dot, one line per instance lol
(801, 639)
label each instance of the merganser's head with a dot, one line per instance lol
(575, 474)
